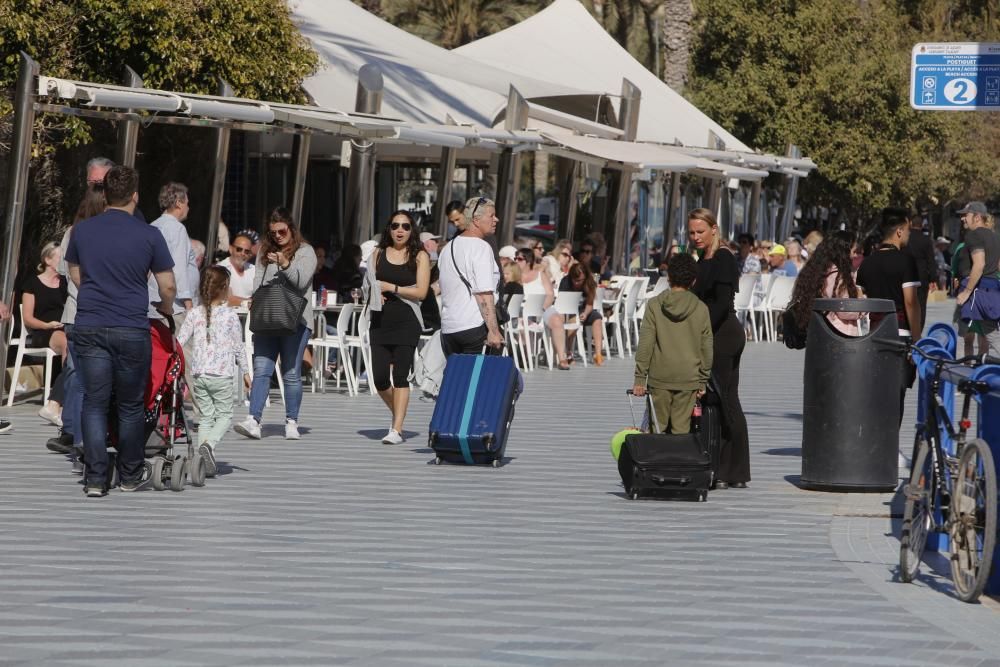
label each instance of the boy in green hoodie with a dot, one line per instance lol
(673, 360)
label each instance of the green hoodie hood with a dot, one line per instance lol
(678, 306)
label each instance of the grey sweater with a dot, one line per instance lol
(298, 276)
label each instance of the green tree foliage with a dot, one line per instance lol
(833, 77)
(180, 45)
(452, 23)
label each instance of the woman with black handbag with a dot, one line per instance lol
(279, 319)
(717, 283)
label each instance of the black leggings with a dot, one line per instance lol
(734, 459)
(399, 357)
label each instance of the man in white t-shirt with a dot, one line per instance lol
(241, 273)
(469, 279)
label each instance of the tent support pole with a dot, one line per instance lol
(791, 194)
(218, 182)
(360, 208)
(446, 181)
(509, 172)
(754, 215)
(17, 186)
(672, 186)
(300, 158)
(568, 181)
(629, 124)
(128, 131)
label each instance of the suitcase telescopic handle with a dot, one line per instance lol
(670, 481)
(649, 406)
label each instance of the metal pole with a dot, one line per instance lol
(360, 208)
(791, 194)
(128, 131)
(218, 182)
(629, 124)
(754, 207)
(300, 158)
(568, 179)
(509, 172)
(446, 181)
(17, 185)
(672, 188)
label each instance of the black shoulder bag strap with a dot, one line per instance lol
(499, 306)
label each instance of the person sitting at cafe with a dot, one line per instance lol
(580, 279)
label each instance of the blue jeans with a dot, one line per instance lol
(73, 388)
(266, 351)
(113, 359)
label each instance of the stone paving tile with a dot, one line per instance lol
(339, 550)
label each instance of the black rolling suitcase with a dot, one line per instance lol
(665, 465)
(707, 422)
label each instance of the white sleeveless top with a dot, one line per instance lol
(536, 286)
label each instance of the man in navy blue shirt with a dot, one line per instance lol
(110, 256)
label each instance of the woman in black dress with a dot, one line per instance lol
(718, 280)
(402, 271)
(42, 302)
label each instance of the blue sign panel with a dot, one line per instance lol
(955, 77)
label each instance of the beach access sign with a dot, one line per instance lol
(955, 77)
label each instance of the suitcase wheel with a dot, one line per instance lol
(496, 463)
(635, 495)
(438, 460)
(703, 496)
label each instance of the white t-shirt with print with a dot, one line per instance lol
(474, 258)
(241, 286)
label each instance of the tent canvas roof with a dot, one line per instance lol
(564, 43)
(423, 82)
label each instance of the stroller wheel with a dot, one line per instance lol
(157, 473)
(177, 473)
(196, 470)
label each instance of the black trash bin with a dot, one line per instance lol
(850, 401)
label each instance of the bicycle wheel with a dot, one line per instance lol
(973, 524)
(918, 517)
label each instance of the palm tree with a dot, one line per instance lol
(677, 19)
(452, 23)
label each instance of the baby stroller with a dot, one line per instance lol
(165, 421)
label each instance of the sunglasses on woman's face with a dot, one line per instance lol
(566, 255)
(281, 233)
(405, 226)
(520, 259)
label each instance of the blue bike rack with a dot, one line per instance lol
(988, 428)
(945, 335)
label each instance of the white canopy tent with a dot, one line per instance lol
(423, 82)
(564, 43)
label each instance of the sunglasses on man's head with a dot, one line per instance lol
(405, 226)
(479, 202)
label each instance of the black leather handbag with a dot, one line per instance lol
(276, 309)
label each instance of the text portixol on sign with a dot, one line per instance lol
(955, 77)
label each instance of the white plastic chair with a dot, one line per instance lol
(743, 302)
(361, 342)
(598, 307)
(21, 343)
(628, 314)
(533, 314)
(515, 333)
(778, 297)
(568, 305)
(615, 317)
(641, 296)
(662, 285)
(322, 345)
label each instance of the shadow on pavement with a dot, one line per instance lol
(784, 451)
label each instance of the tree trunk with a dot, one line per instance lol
(677, 20)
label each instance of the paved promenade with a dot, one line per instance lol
(338, 550)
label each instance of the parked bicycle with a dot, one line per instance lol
(954, 494)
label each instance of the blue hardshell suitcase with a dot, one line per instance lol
(474, 410)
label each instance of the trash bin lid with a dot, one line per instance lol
(854, 306)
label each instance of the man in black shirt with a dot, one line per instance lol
(922, 250)
(890, 273)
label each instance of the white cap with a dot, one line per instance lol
(427, 236)
(508, 252)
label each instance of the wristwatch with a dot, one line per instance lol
(395, 289)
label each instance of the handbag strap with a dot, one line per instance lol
(468, 286)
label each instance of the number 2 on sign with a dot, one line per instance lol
(960, 91)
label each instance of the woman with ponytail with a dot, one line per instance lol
(217, 346)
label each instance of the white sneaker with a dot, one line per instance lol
(392, 437)
(291, 430)
(50, 416)
(248, 428)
